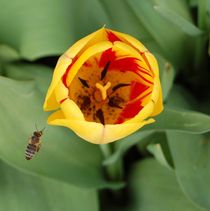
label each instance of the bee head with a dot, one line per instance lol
(38, 133)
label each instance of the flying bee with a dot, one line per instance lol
(34, 144)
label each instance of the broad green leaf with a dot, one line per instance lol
(193, 3)
(156, 144)
(209, 46)
(20, 191)
(130, 24)
(185, 25)
(167, 75)
(191, 157)
(47, 27)
(60, 155)
(171, 42)
(157, 151)
(203, 15)
(169, 120)
(8, 54)
(208, 15)
(123, 145)
(180, 120)
(180, 98)
(155, 188)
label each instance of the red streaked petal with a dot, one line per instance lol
(130, 110)
(136, 89)
(64, 78)
(125, 64)
(146, 60)
(107, 56)
(112, 37)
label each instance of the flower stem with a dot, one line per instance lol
(113, 170)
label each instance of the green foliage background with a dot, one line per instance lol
(165, 166)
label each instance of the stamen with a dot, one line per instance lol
(84, 82)
(100, 116)
(115, 101)
(103, 89)
(104, 71)
(119, 86)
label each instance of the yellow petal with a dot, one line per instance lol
(90, 131)
(96, 133)
(86, 42)
(55, 115)
(71, 110)
(61, 92)
(153, 63)
(131, 40)
(126, 49)
(159, 104)
(118, 131)
(97, 48)
(50, 101)
(64, 61)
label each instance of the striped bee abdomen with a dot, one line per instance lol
(30, 151)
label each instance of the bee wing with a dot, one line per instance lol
(29, 140)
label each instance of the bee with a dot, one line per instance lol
(34, 144)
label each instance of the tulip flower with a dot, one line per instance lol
(105, 87)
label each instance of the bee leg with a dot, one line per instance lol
(38, 148)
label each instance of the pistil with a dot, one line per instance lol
(103, 89)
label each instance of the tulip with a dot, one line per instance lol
(105, 87)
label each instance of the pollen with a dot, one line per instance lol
(103, 89)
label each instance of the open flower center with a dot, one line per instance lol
(110, 89)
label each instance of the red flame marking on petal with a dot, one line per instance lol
(122, 64)
(112, 37)
(145, 71)
(146, 60)
(136, 89)
(131, 110)
(145, 79)
(65, 75)
(87, 64)
(63, 100)
(125, 64)
(107, 56)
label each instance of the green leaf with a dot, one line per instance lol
(185, 25)
(180, 120)
(8, 54)
(191, 158)
(47, 27)
(180, 98)
(169, 120)
(155, 188)
(123, 145)
(20, 191)
(209, 46)
(60, 155)
(171, 42)
(157, 151)
(130, 24)
(167, 75)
